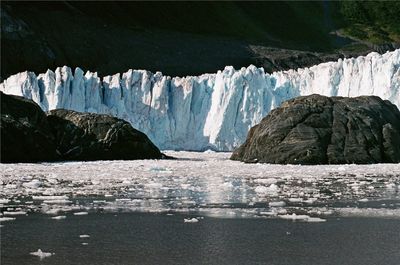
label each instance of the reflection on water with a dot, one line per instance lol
(204, 183)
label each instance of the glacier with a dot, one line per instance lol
(210, 111)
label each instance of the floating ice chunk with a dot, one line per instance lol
(273, 189)
(49, 198)
(57, 201)
(41, 254)
(266, 181)
(32, 184)
(52, 211)
(301, 217)
(268, 213)
(282, 211)
(277, 204)
(190, 220)
(185, 186)
(81, 213)
(294, 217)
(5, 219)
(14, 213)
(310, 200)
(84, 243)
(261, 189)
(363, 200)
(368, 212)
(154, 185)
(160, 170)
(11, 186)
(84, 236)
(227, 185)
(315, 220)
(126, 182)
(295, 200)
(59, 217)
(209, 151)
(123, 200)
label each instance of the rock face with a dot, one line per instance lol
(88, 136)
(326, 130)
(25, 131)
(28, 135)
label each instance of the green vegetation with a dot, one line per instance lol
(377, 22)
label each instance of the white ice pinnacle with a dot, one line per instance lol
(211, 111)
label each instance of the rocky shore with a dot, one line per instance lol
(29, 135)
(326, 130)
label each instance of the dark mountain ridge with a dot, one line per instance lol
(189, 38)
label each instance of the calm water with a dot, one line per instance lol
(139, 238)
(134, 212)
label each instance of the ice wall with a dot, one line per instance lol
(208, 111)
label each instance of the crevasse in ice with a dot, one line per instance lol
(211, 111)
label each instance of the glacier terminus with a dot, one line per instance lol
(210, 111)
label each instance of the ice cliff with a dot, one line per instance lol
(208, 111)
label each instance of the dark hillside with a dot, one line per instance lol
(188, 38)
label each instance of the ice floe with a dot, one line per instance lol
(205, 183)
(5, 219)
(59, 217)
(304, 218)
(41, 254)
(190, 220)
(81, 213)
(14, 213)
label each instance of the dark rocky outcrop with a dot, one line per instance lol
(88, 136)
(25, 131)
(326, 130)
(28, 135)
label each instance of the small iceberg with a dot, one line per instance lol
(59, 217)
(302, 218)
(5, 219)
(41, 254)
(81, 213)
(190, 220)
